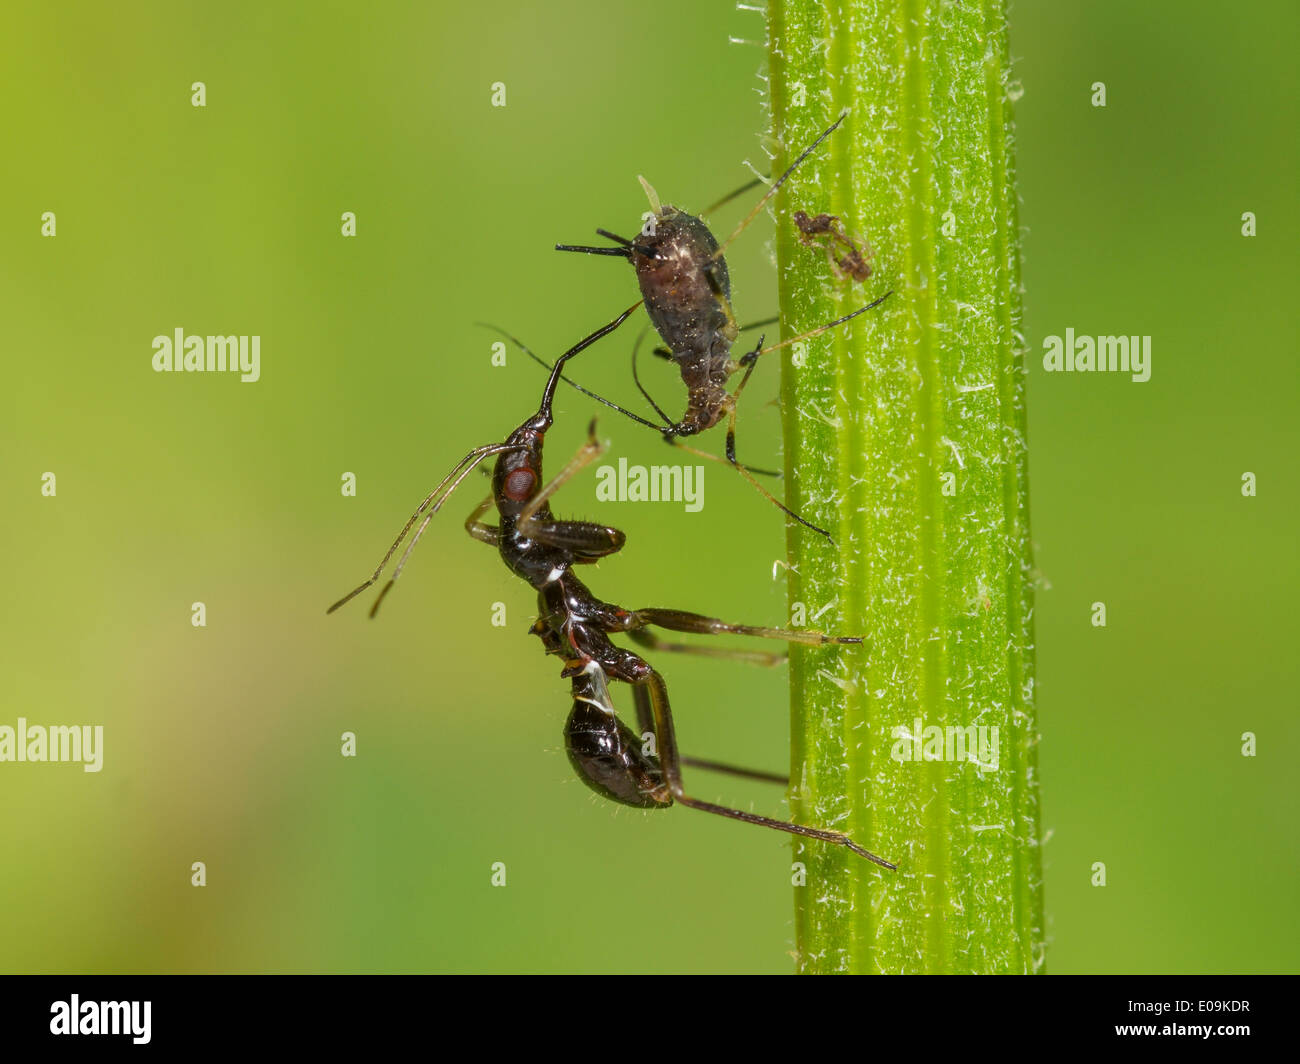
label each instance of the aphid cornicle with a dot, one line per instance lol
(686, 287)
(687, 294)
(575, 626)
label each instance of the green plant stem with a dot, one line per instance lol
(905, 436)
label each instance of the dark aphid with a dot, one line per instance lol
(827, 231)
(687, 292)
(576, 626)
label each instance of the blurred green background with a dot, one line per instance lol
(222, 743)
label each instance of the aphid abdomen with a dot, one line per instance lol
(687, 291)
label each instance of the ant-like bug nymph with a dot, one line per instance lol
(606, 754)
(687, 293)
(576, 626)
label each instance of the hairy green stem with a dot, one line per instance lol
(905, 437)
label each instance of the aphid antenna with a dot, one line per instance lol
(623, 251)
(619, 252)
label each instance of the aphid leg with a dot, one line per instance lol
(749, 361)
(663, 352)
(645, 723)
(674, 442)
(731, 427)
(441, 494)
(650, 641)
(749, 358)
(745, 471)
(670, 762)
(699, 624)
(748, 473)
(731, 330)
